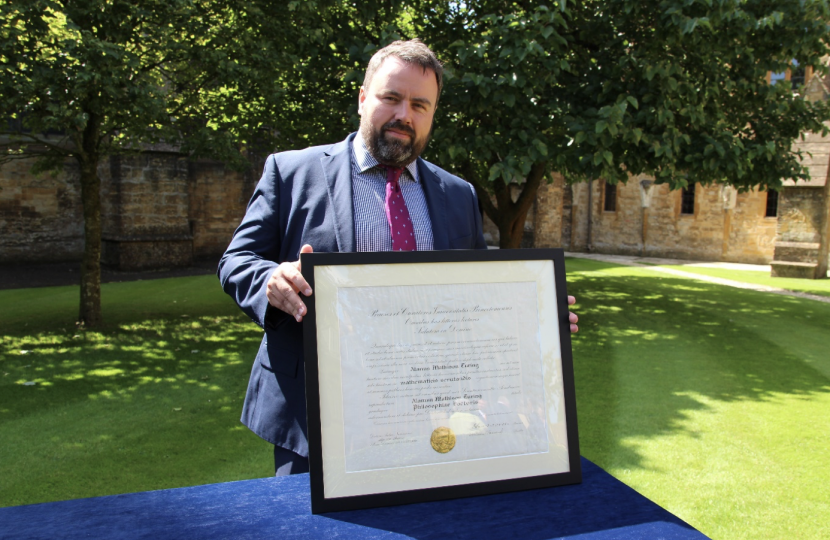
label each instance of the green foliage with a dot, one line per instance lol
(606, 89)
(325, 46)
(676, 89)
(496, 112)
(98, 77)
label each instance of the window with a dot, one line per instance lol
(687, 200)
(772, 204)
(610, 197)
(777, 77)
(796, 76)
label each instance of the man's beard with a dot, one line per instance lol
(393, 152)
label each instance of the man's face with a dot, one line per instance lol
(396, 111)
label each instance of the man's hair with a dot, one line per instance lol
(412, 52)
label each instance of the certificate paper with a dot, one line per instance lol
(437, 357)
(437, 375)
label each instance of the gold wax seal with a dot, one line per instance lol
(442, 440)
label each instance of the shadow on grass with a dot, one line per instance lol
(149, 400)
(116, 363)
(649, 347)
(153, 332)
(142, 406)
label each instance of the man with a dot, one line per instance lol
(342, 197)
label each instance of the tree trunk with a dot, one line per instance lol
(509, 216)
(511, 231)
(90, 309)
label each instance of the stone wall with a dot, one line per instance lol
(750, 235)
(146, 195)
(549, 227)
(161, 210)
(800, 211)
(41, 219)
(218, 197)
(801, 244)
(798, 244)
(158, 210)
(145, 212)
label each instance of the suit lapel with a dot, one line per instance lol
(337, 167)
(436, 196)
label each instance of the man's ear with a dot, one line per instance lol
(360, 99)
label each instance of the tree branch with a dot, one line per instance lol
(504, 201)
(531, 187)
(34, 139)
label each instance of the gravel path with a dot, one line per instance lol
(648, 262)
(68, 273)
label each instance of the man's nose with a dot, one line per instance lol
(403, 112)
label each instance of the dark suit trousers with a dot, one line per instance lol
(287, 462)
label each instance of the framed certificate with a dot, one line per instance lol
(435, 375)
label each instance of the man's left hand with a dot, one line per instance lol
(572, 316)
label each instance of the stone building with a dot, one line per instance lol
(786, 229)
(643, 219)
(790, 229)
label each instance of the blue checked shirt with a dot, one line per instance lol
(369, 195)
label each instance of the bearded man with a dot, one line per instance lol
(371, 192)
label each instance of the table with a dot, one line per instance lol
(600, 508)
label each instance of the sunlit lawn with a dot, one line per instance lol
(813, 286)
(151, 400)
(712, 401)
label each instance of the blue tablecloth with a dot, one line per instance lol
(599, 508)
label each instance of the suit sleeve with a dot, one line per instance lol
(253, 253)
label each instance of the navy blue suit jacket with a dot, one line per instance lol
(305, 197)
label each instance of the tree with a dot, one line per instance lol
(83, 80)
(610, 88)
(327, 45)
(594, 89)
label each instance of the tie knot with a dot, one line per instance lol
(393, 174)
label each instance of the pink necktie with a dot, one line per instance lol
(400, 224)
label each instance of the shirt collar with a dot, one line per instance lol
(366, 161)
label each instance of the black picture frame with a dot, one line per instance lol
(313, 263)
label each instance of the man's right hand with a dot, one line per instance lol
(285, 285)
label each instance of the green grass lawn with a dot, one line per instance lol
(813, 286)
(149, 401)
(712, 401)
